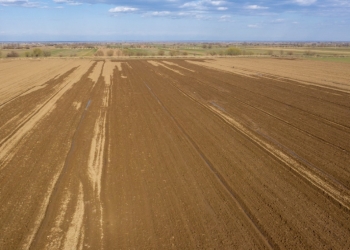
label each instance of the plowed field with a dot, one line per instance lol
(172, 154)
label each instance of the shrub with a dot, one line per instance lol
(161, 52)
(184, 53)
(233, 51)
(270, 52)
(37, 52)
(46, 53)
(110, 52)
(249, 53)
(309, 53)
(99, 53)
(27, 54)
(174, 53)
(12, 54)
(290, 53)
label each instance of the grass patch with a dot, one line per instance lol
(331, 59)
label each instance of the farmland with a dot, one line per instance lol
(227, 153)
(336, 51)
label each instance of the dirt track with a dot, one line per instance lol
(170, 154)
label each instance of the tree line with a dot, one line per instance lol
(34, 53)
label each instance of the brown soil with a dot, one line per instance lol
(171, 154)
(326, 74)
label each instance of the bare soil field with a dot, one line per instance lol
(326, 74)
(174, 154)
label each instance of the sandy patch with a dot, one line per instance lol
(119, 66)
(174, 64)
(33, 73)
(77, 105)
(128, 65)
(221, 67)
(56, 233)
(75, 232)
(332, 75)
(95, 163)
(41, 214)
(108, 71)
(156, 64)
(40, 113)
(97, 149)
(96, 72)
(35, 88)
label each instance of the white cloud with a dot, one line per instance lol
(305, 2)
(341, 3)
(279, 20)
(69, 2)
(225, 18)
(23, 3)
(216, 3)
(255, 7)
(194, 5)
(160, 13)
(222, 8)
(253, 26)
(123, 9)
(202, 4)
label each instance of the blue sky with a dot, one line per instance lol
(174, 20)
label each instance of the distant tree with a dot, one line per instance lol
(110, 52)
(46, 53)
(204, 46)
(309, 53)
(270, 52)
(99, 53)
(37, 52)
(27, 54)
(125, 52)
(161, 52)
(290, 53)
(12, 54)
(233, 51)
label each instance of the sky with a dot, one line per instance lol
(174, 20)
